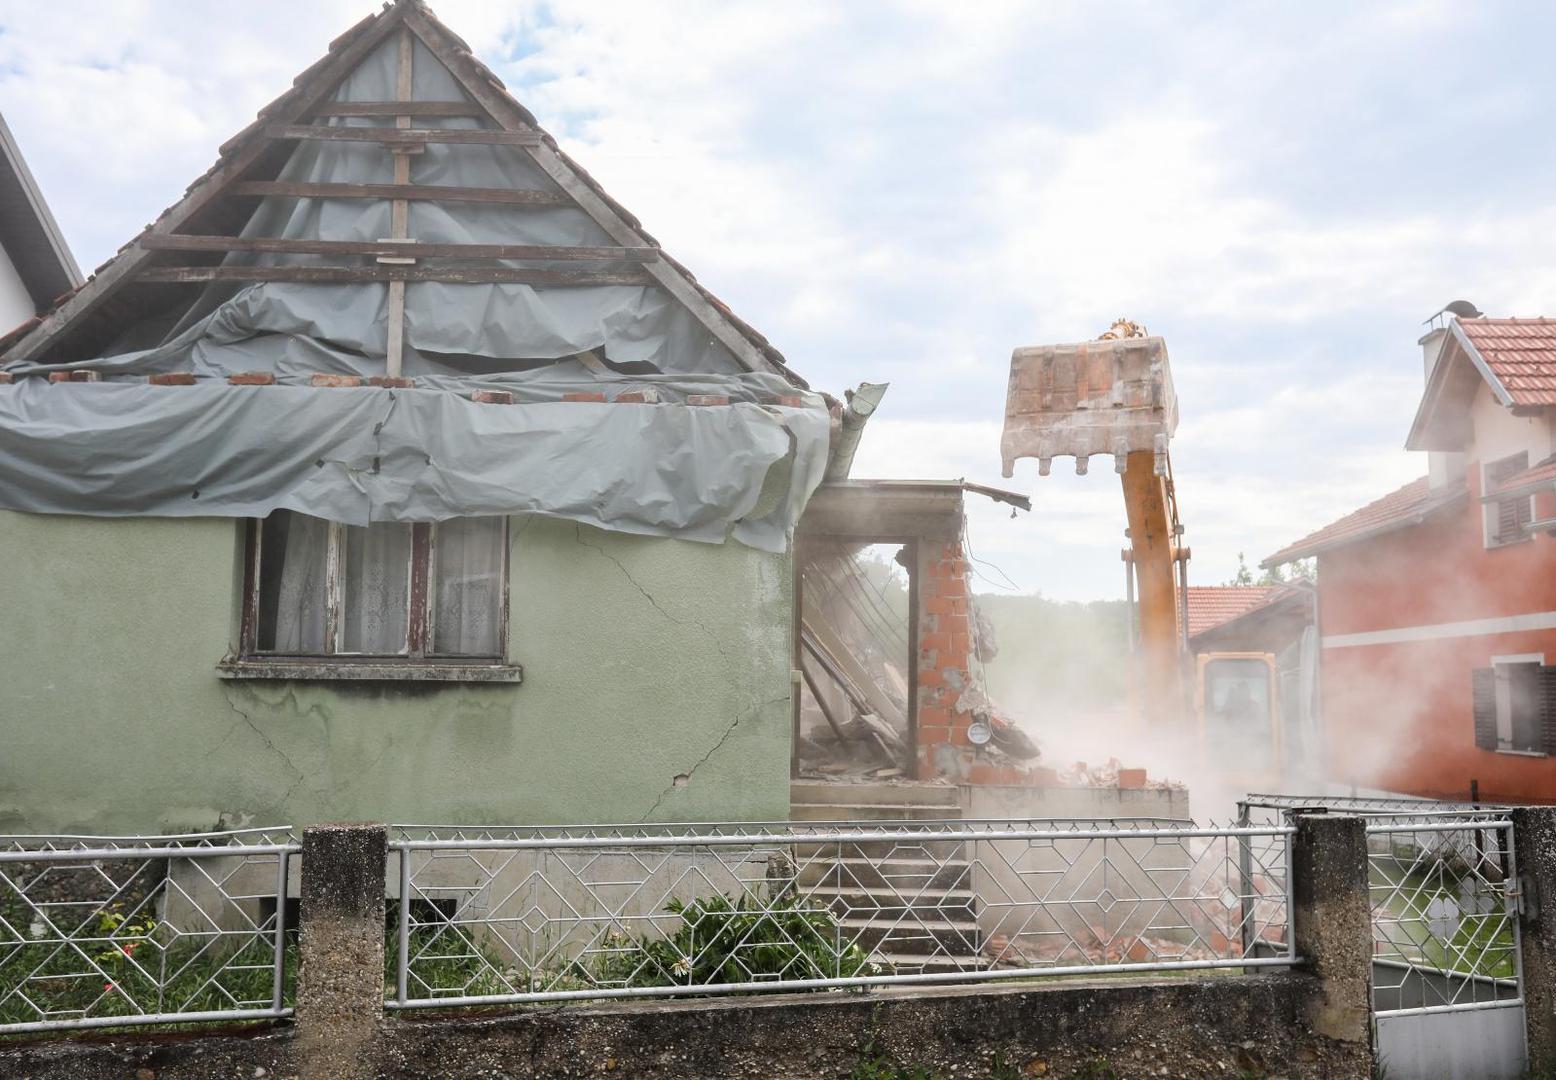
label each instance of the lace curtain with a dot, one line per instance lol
(467, 582)
(375, 588)
(294, 557)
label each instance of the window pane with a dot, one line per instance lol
(467, 586)
(1524, 705)
(293, 555)
(375, 588)
(1237, 709)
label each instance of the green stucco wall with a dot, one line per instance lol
(644, 660)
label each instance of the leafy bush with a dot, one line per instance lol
(724, 940)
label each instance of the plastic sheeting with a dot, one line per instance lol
(121, 447)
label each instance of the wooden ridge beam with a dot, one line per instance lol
(355, 275)
(393, 136)
(401, 249)
(399, 108)
(414, 192)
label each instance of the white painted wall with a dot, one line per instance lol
(15, 303)
(1498, 433)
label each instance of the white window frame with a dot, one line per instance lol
(1505, 702)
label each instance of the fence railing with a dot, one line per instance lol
(1443, 882)
(113, 931)
(538, 914)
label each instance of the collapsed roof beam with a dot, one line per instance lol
(350, 275)
(393, 136)
(399, 108)
(414, 192)
(411, 249)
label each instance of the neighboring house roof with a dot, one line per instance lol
(29, 232)
(1211, 605)
(1520, 354)
(165, 257)
(1409, 505)
(1515, 358)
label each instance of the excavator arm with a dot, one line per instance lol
(1114, 397)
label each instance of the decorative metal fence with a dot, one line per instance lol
(1447, 973)
(112, 931)
(536, 915)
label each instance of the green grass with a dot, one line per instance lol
(1482, 944)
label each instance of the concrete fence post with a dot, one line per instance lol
(1331, 923)
(1534, 842)
(340, 983)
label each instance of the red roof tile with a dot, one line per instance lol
(1521, 353)
(1212, 605)
(1399, 508)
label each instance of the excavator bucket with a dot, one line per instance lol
(1096, 397)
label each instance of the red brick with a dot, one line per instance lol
(252, 378)
(74, 376)
(934, 735)
(1042, 776)
(959, 737)
(6, 378)
(934, 642)
(707, 399)
(952, 587)
(175, 378)
(392, 382)
(336, 380)
(583, 395)
(945, 605)
(647, 396)
(790, 401)
(933, 718)
(1131, 778)
(952, 624)
(930, 677)
(492, 397)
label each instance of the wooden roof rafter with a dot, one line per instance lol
(288, 118)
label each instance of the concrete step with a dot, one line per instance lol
(823, 791)
(840, 811)
(822, 852)
(956, 905)
(902, 875)
(951, 937)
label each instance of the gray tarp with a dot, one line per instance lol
(121, 447)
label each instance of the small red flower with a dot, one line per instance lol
(108, 987)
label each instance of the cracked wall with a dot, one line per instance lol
(656, 686)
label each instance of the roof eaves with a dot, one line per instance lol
(1303, 550)
(65, 263)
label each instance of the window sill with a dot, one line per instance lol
(1520, 753)
(325, 669)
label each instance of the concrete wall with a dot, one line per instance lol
(644, 660)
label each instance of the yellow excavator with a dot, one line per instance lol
(1114, 397)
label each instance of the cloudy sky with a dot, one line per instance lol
(906, 191)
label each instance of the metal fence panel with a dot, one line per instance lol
(113, 931)
(555, 914)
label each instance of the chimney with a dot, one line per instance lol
(1442, 467)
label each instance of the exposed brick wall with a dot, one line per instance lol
(945, 650)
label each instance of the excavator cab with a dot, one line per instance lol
(1237, 706)
(1114, 397)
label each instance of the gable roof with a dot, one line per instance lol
(30, 234)
(1211, 605)
(184, 247)
(1407, 506)
(1515, 358)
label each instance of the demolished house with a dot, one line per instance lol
(395, 472)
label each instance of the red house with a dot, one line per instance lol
(1437, 603)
